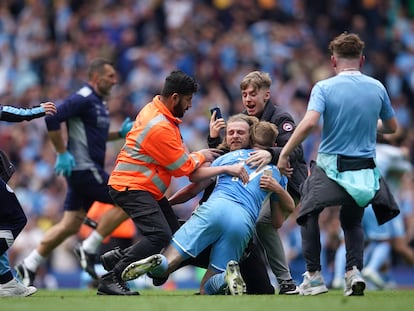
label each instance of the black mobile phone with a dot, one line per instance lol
(218, 112)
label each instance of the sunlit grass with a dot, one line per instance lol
(186, 300)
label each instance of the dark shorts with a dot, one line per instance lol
(86, 187)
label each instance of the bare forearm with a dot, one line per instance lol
(388, 127)
(203, 173)
(276, 214)
(113, 136)
(286, 202)
(57, 141)
(187, 193)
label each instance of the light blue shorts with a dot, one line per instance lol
(221, 223)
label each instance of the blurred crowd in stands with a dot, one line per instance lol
(45, 46)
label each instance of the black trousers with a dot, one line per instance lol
(350, 217)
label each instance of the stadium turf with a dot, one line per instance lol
(184, 300)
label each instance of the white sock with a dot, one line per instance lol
(34, 260)
(92, 242)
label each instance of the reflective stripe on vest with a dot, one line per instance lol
(132, 152)
(147, 159)
(178, 163)
(149, 126)
(131, 167)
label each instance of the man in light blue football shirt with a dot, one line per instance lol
(354, 107)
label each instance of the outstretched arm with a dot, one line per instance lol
(305, 127)
(123, 130)
(188, 192)
(14, 114)
(204, 172)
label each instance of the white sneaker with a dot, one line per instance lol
(338, 283)
(354, 283)
(233, 279)
(312, 284)
(14, 288)
(373, 277)
(141, 267)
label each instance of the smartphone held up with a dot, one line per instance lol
(218, 112)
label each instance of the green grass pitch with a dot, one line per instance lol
(185, 300)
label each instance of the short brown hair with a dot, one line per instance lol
(258, 79)
(347, 45)
(264, 134)
(97, 65)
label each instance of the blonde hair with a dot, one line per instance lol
(264, 134)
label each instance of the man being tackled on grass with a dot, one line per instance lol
(227, 219)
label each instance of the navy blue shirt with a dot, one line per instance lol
(87, 121)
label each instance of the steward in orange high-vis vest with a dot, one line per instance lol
(153, 153)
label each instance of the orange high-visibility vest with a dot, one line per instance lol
(153, 152)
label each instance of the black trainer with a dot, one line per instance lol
(86, 260)
(288, 287)
(25, 275)
(109, 284)
(111, 258)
